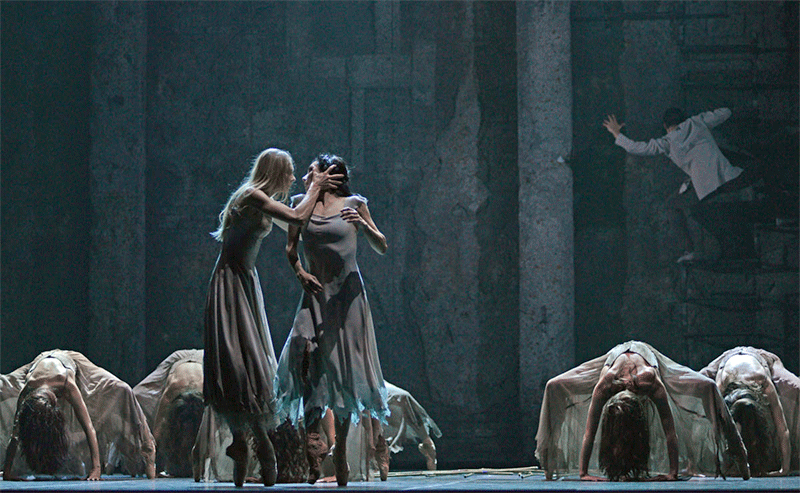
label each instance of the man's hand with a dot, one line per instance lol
(612, 125)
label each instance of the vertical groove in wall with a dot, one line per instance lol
(117, 165)
(497, 228)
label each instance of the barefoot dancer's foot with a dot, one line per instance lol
(428, 449)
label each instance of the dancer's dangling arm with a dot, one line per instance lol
(309, 282)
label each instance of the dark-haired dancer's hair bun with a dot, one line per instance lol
(325, 161)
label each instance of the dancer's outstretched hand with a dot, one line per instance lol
(612, 125)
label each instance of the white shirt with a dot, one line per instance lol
(692, 147)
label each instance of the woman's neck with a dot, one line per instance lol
(328, 203)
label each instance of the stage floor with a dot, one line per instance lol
(403, 481)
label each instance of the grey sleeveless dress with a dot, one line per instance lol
(239, 361)
(330, 359)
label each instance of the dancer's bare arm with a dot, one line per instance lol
(299, 214)
(309, 282)
(599, 397)
(781, 428)
(659, 397)
(73, 396)
(361, 217)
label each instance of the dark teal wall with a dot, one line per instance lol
(45, 178)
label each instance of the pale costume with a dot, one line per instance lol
(209, 460)
(239, 361)
(150, 391)
(408, 423)
(123, 436)
(330, 359)
(153, 391)
(702, 420)
(786, 383)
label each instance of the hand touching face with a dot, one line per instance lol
(326, 180)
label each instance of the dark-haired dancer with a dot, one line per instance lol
(689, 144)
(171, 397)
(239, 361)
(330, 360)
(46, 404)
(628, 389)
(764, 399)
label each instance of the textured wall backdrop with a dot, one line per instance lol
(125, 125)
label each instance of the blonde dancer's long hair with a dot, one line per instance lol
(271, 173)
